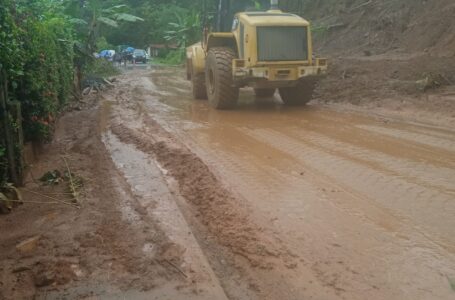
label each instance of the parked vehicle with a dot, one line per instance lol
(107, 54)
(139, 55)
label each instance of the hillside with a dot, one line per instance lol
(397, 53)
(355, 26)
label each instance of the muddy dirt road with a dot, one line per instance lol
(181, 201)
(298, 203)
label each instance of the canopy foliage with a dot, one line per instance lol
(44, 43)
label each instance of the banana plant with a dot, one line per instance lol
(91, 14)
(185, 30)
(88, 16)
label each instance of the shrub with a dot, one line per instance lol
(174, 57)
(100, 68)
(47, 81)
(36, 57)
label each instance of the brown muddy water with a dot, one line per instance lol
(365, 203)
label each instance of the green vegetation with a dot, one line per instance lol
(100, 68)
(47, 46)
(36, 65)
(173, 57)
(42, 44)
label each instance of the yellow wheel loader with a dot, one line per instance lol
(265, 50)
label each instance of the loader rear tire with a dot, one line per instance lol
(198, 86)
(300, 94)
(264, 93)
(221, 91)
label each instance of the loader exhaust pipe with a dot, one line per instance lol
(274, 5)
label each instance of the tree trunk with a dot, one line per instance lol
(9, 140)
(15, 111)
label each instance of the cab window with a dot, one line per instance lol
(235, 24)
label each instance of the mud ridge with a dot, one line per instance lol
(215, 205)
(81, 249)
(123, 258)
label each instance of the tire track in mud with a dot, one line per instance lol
(237, 160)
(219, 211)
(214, 203)
(399, 123)
(345, 204)
(319, 215)
(411, 171)
(335, 126)
(287, 185)
(417, 138)
(247, 170)
(427, 130)
(370, 184)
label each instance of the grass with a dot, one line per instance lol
(173, 58)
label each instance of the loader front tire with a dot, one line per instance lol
(221, 91)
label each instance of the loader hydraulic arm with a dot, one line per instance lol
(222, 16)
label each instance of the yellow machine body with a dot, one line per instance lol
(258, 62)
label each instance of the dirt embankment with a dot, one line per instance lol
(398, 54)
(352, 27)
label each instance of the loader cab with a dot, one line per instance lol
(238, 29)
(227, 9)
(271, 37)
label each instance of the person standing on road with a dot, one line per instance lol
(117, 59)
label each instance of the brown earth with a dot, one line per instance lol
(215, 206)
(354, 196)
(266, 202)
(387, 55)
(358, 27)
(92, 248)
(81, 245)
(391, 85)
(348, 198)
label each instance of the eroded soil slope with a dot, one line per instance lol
(397, 54)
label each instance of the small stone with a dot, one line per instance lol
(77, 270)
(29, 245)
(44, 279)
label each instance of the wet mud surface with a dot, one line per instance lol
(262, 202)
(364, 203)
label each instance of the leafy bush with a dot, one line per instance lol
(10, 48)
(36, 57)
(47, 82)
(100, 68)
(11, 69)
(102, 44)
(174, 57)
